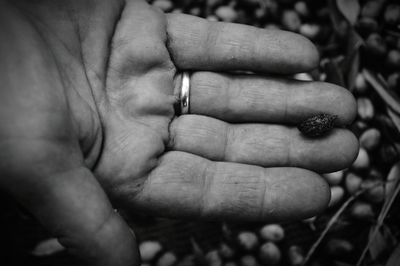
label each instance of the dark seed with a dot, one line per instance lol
(317, 125)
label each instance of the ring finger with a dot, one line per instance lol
(265, 145)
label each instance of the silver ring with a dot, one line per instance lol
(185, 93)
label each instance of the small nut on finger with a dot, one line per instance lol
(317, 125)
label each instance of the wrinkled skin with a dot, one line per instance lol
(87, 121)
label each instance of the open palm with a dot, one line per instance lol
(87, 118)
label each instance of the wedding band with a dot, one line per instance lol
(185, 93)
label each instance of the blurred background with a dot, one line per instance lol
(359, 43)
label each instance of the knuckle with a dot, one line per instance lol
(172, 136)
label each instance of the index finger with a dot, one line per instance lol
(195, 43)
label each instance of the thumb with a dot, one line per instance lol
(75, 208)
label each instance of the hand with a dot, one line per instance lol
(87, 118)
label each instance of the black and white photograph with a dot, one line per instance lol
(199, 132)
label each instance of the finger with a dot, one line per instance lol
(138, 44)
(246, 98)
(261, 144)
(197, 187)
(69, 202)
(196, 43)
(140, 72)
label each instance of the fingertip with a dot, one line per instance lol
(304, 52)
(324, 196)
(349, 104)
(318, 195)
(311, 57)
(121, 238)
(291, 52)
(108, 242)
(353, 109)
(353, 149)
(307, 194)
(75, 208)
(339, 150)
(342, 101)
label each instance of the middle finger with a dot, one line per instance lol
(252, 98)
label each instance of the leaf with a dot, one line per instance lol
(227, 232)
(213, 258)
(395, 118)
(350, 9)
(389, 235)
(187, 260)
(378, 245)
(47, 248)
(339, 23)
(394, 259)
(388, 97)
(351, 64)
(352, 69)
(334, 74)
(382, 242)
(330, 224)
(393, 33)
(392, 181)
(382, 215)
(388, 202)
(198, 253)
(341, 263)
(354, 42)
